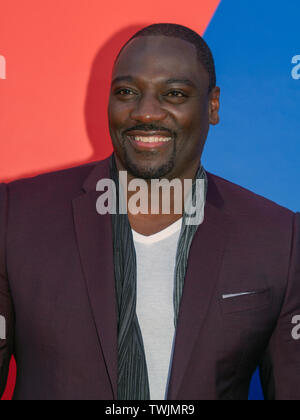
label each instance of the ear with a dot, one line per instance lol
(214, 106)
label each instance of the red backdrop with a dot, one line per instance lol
(59, 55)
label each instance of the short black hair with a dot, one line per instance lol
(204, 53)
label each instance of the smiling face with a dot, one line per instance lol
(160, 108)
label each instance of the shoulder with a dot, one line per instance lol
(52, 190)
(64, 182)
(73, 174)
(235, 197)
(247, 209)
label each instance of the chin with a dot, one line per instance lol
(147, 172)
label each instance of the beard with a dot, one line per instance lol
(148, 172)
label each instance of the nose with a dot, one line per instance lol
(148, 109)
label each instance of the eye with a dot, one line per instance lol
(124, 92)
(176, 94)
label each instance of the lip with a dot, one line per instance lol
(153, 133)
(150, 145)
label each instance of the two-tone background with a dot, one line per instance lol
(55, 63)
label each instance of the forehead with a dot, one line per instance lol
(160, 57)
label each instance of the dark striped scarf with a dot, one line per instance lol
(133, 381)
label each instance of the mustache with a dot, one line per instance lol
(150, 127)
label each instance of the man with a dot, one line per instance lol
(144, 306)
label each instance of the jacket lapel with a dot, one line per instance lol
(204, 262)
(94, 236)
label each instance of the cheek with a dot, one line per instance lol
(194, 126)
(194, 123)
(193, 117)
(117, 115)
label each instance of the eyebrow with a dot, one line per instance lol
(181, 82)
(130, 79)
(122, 79)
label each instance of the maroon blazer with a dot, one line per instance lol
(57, 293)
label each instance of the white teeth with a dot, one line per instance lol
(144, 139)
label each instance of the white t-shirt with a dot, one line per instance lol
(156, 258)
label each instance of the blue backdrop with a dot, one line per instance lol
(257, 143)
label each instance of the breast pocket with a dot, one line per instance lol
(248, 301)
(247, 322)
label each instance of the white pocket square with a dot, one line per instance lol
(237, 294)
